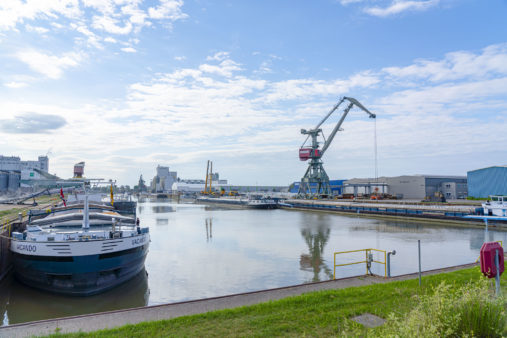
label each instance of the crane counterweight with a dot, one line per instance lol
(315, 182)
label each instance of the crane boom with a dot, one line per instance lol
(330, 112)
(335, 130)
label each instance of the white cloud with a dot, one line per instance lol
(49, 65)
(111, 25)
(301, 88)
(129, 50)
(167, 9)
(456, 65)
(14, 84)
(91, 18)
(225, 68)
(180, 58)
(110, 40)
(14, 12)
(218, 110)
(399, 6)
(219, 56)
(40, 30)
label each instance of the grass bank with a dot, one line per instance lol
(10, 212)
(322, 313)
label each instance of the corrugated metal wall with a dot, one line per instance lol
(487, 181)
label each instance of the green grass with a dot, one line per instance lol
(322, 313)
(471, 198)
(12, 213)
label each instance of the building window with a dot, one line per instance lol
(447, 185)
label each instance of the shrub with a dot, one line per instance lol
(469, 311)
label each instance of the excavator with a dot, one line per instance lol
(315, 182)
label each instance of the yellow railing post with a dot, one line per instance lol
(385, 264)
(366, 252)
(334, 269)
(366, 259)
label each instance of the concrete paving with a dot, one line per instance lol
(105, 320)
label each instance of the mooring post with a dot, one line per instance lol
(419, 249)
(497, 276)
(389, 262)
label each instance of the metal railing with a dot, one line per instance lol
(5, 227)
(368, 260)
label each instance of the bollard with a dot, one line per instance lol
(389, 262)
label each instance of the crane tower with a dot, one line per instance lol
(315, 176)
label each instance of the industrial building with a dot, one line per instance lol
(164, 180)
(217, 184)
(485, 182)
(410, 187)
(198, 185)
(13, 171)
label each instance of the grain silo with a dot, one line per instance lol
(14, 179)
(4, 180)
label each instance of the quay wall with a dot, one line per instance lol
(448, 214)
(5, 245)
(5, 253)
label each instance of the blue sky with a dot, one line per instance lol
(125, 85)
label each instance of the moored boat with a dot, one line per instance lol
(495, 206)
(79, 261)
(253, 202)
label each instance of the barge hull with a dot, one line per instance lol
(79, 275)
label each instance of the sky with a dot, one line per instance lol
(126, 85)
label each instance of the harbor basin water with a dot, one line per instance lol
(200, 251)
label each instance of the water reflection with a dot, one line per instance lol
(395, 227)
(20, 303)
(162, 221)
(316, 237)
(209, 229)
(159, 209)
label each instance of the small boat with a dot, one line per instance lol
(261, 203)
(495, 206)
(79, 261)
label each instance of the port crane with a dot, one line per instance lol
(315, 176)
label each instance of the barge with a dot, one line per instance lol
(250, 203)
(79, 262)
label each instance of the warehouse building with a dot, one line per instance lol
(485, 182)
(410, 186)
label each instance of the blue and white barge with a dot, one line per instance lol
(80, 261)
